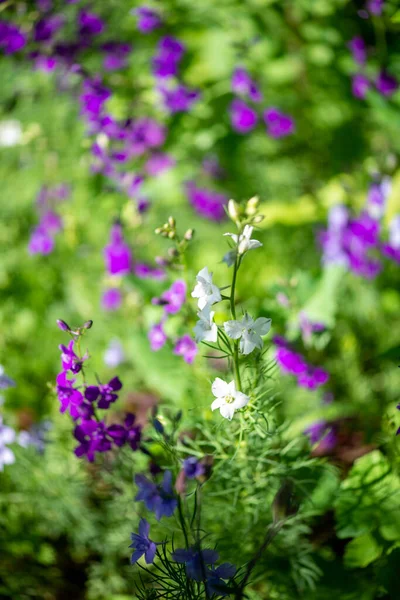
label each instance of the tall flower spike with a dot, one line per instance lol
(205, 290)
(228, 399)
(244, 244)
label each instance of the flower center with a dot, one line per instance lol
(229, 399)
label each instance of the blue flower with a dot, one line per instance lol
(142, 544)
(215, 577)
(193, 559)
(160, 499)
(192, 467)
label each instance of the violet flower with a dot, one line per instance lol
(244, 85)
(178, 99)
(11, 38)
(278, 123)
(215, 579)
(172, 299)
(71, 361)
(111, 299)
(386, 84)
(148, 19)
(157, 337)
(116, 55)
(322, 433)
(243, 117)
(159, 499)
(47, 27)
(377, 197)
(104, 394)
(89, 24)
(206, 202)
(158, 163)
(375, 7)
(195, 561)
(169, 54)
(187, 348)
(193, 468)
(117, 254)
(142, 544)
(68, 396)
(360, 85)
(358, 50)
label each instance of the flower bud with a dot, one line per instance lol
(258, 219)
(252, 206)
(171, 222)
(171, 235)
(189, 235)
(158, 230)
(233, 210)
(173, 252)
(63, 325)
(87, 324)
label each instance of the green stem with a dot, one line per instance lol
(236, 368)
(182, 522)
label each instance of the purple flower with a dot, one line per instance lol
(68, 396)
(375, 7)
(104, 394)
(146, 134)
(89, 23)
(322, 432)
(309, 327)
(93, 98)
(193, 468)
(116, 55)
(207, 203)
(312, 378)
(111, 299)
(148, 19)
(159, 499)
(358, 49)
(215, 577)
(47, 27)
(44, 63)
(377, 196)
(195, 560)
(133, 432)
(278, 124)
(290, 362)
(187, 348)
(157, 337)
(158, 163)
(41, 241)
(11, 38)
(178, 99)
(243, 117)
(169, 54)
(212, 167)
(360, 86)
(117, 254)
(92, 437)
(173, 299)
(142, 544)
(244, 85)
(70, 361)
(144, 271)
(386, 84)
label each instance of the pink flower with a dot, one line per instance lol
(187, 348)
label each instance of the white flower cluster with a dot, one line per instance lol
(247, 330)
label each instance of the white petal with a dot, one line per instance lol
(202, 302)
(233, 329)
(262, 325)
(217, 403)
(240, 400)
(227, 411)
(211, 335)
(233, 236)
(253, 244)
(232, 388)
(220, 388)
(205, 274)
(246, 344)
(215, 296)
(198, 291)
(6, 456)
(7, 435)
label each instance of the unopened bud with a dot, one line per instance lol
(158, 230)
(233, 210)
(173, 252)
(88, 324)
(252, 206)
(63, 325)
(258, 219)
(171, 221)
(189, 235)
(171, 235)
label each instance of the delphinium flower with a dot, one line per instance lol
(243, 242)
(142, 544)
(114, 354)
(248, 331)
(145, 271)
(147, 19)
(243, 117)
(186, 347)
(111, 299)
(12, 39)
(206, 202)
(378, 194)
(216, 577)
(205, 329)
(308, 327)
(157, 336)
(159, 162)
(386, 84)
(360, 86)
(169, 54)
(278, 123)
(89, 24)
(293, 363)
(159, 499)
(244, 85)
(228, 398)
(116, 55)
(103, 394)
(117, 254)
(375, 7)
(195, 561)
(93, 98)
(193, 468)
(69, 396)
(323, 434)
(358, 50)
(172, 299)
(206, 292)
(178, 98)
(7, 436)
(42, 240)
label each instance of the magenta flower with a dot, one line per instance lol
(148, 19)
(89, 23)
(11, 38)
(157, 337)
(290, 362)
(111, 299)
(146, 134)
(117, 254)
(312, 378)
(358, 50)
(172, 299)
(104, 394)
(93, 98)
(68, 396)
(158, 163)
(178, 99)
(71, 361)
(144, 271)
(206, 202)
(41, 242)
(360, 86)
(116, 55)
(375, 7)
(243, 117)
(386, 84)
(47, 27)
(187, 348)
(278, 124)
(244, 85)
(169, 54)
(377, 197)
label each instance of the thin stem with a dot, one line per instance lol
(182, 522)
(233, 314)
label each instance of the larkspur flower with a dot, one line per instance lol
(11, 38)
(193, 468)
(386, 84)
(104, 394)
(215, 579)
(69, 359)
(158, 163)
(157, 336)
(159, 499)
(111, 299)
(145, 271)
(248, 331)
(179, 98)
(114, 354)
(205, 291)
(278, 123)
(243, 117)
(195, 560)
(117, 254)
(116, 55)
(375, 7)
(312, 378)
(92, 437)
(169, 54)
(206, 202)
(142, 544)
(243, 84)
(187, 348)
(205, 329)
(244, 243)
(7, 436)
(228, 398)
(69, 396)
(89, 24)
(148, 19)
(360, 85)
(41, 242)
(47, 27)
(358, 49)
(378, 194)
(323, 434)
(172, 299)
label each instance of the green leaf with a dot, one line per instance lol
(362, 551)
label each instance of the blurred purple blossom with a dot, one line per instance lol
(11, 38)
(159, 162)
(360, 86)
(157, 336)
(169, 54)
(206, 202)
(243, 117)
(111, 299)
(117, 254)
(179, 98)
(159, 499)
(193, 468)
(89, 23)
(278, 123)
(142, 544)
(386, 84)
(244, 85)
(358, 49)
(147, 19)
(172, 299)
(187, 348)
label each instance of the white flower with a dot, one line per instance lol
(244, 241)
(10, 133)
(114, 355)
(7, 436)
(249, 332)
(394, 232)
(228, 399)
(205, 329)
(205, 290)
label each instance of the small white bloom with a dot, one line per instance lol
(114, 355)
(10, 133)
(228, 399)
(248, 331)
(244, 240)
(205, 290)
(394, 232)
(205, 329)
